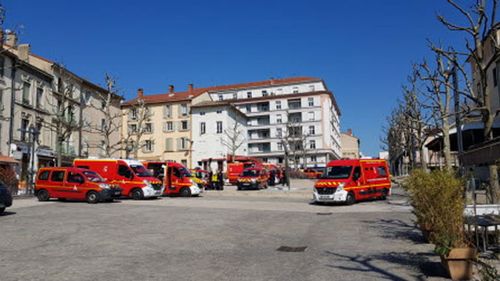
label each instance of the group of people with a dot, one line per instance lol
(215, 180)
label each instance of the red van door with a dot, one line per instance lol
(74, 186)
(56, 183)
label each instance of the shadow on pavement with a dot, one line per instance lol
(368, 264)
(397, 229)
(7, 213)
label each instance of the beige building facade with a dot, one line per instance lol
(350, 145)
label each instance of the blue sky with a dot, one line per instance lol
(362, 49)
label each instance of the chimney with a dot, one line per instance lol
(11, 39)
(24, 52)
(140, 93)
(171, 89)
(349, 132)
(272, 80)
(190, 88)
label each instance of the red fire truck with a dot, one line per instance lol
(353, 180)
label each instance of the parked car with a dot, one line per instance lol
(312, 174)
(349, 181)
(73, 184)
(5, 197)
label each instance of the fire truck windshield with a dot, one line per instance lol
(250, 173)
(140, 171)
(185, 172)
(93, 176)
(338, 172)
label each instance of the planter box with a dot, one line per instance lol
(458, 263)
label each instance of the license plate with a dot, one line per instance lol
(246, 184)
(325, 197)
(117, 192)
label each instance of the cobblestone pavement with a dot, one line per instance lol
(226, 235)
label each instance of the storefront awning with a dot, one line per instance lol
(7, 160)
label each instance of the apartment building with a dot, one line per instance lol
(165, 129)
(35, 93)
(350, 145)
(276, 107)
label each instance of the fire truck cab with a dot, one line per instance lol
(130, 175)
(176, 179)
(353, 180)
(235, 169)
(253, 178)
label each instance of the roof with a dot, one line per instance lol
(7, 160)
(188, 95)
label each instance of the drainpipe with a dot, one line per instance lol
(12, 103)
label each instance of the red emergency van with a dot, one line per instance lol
(253, 178)
(353, 180)
(73, 184)
(176, 178)
(134, 179)
(235, 169)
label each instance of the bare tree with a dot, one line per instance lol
(138, 113)
(479, 26)
(110, 127)
(233, 138)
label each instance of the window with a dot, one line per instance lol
(381, 171)
(148, 145)
(26, 92)
(182, 143)
(75, 177)
(184, 109)
(219, 111)
(44, 176)
(295, 90)
(311, 88)
(310, 116)
(2, 66)
(310, 101)
(184, 162)
(1, 97)
(169, 126)
(168, 144)
(133, 128)
(235, 96)
(167, 111)
(221, 97)
(278, 104)
(314, 159)
(248, 108)
(279, 132)
(103, 102)
(24, 128)
(312, 144)
(495, 78)
(249, 94)
(184, 125)
(57, 176)
(133, 113)
(124, 171)
(312, 130)
(219, 127)
(265, 93)
(202, 113)
(148, 128)
(278, 118)
(280, 146)
(39, 97)
(103, 125)
(202, 128)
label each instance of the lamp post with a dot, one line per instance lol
(34, 133)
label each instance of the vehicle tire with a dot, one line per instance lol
(2, 210)
(238, 188)
(185, 192)
(350, 199)
(92, 197)
(137, 194)
(43, 195)
(384, 194)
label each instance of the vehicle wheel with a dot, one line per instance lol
(238, 188)
(2, 210)
(350, 199)
(43, 195)
(384, 194)
(92, 197)
(136, 194)
(185, 192)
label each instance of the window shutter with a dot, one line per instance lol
(188, 125)
(168, 144)
(178, 144)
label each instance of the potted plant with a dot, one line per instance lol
(438, 203)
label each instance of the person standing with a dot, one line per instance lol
(220, 178)
(209, 180)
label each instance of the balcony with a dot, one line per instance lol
(259, 148)
(259, 134)
(294, 104)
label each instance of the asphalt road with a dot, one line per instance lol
(214, 237)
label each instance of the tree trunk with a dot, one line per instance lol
(494, 188)
(423, 161)
(446, 145)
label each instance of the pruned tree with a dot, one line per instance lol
(233, 138)
(478, 26)
(111, 123)
(138, 113)
(62, 107)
